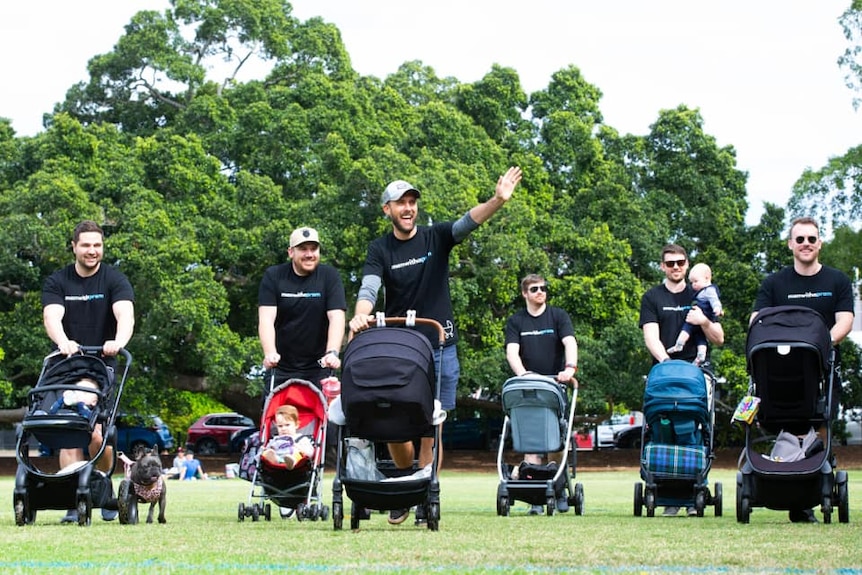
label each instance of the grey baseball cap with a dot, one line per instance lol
(395, 190)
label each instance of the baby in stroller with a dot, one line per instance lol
(288, 447)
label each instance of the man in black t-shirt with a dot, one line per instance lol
(665, 308)
(88, 304)
(301, 313)
(412, 265)
(811, 284)
(540, 339)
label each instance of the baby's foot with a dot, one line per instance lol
(675, 348)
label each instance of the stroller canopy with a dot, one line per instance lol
(676, 386)
(789, 325)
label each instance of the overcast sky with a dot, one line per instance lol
(763, 73)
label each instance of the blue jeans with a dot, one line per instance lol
(451, 372)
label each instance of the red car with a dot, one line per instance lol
(211, 433)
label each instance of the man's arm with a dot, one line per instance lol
(711, 329)
(365, 302)
(513, 357)
(843, 325)
(266, 315)
(653, 342)
(52, 318)
(124, 313)
(334, 338)
(503, 191)
(570, 348)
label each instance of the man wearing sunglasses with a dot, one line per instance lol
(665, 309)
(811, 284)
(541, 339)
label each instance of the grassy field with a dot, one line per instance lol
(203, 535)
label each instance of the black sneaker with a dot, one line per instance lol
(802, 516)
(562, 504)
(421, 518)
(398, 516)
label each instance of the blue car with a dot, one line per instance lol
(135, 434)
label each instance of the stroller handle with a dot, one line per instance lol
(418, 321)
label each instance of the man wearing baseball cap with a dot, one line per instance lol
(301, 313)
(412, 264)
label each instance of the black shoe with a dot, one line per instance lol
(421, 518)
(802, 516)
(398, 516)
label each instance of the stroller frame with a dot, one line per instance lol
(532, 392)
(299, 488)
(80, 488)
(675, 474)
(797, 344)
(388, 495)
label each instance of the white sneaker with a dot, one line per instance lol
(670, 511)
(692, 512)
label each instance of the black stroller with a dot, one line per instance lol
(388, 392)
(791, 365)
(292, 490)
(57, 421)
(677, 440)
(539, 417)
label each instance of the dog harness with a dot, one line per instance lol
(146, 494)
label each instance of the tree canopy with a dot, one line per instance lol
(198, 180)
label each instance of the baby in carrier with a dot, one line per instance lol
(707, 299)
(288, 447)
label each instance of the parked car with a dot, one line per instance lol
(618, 422)
(211, 433)
(135, 434)
(477, 433)
(852, 419)
(628, 438)
(237, 438)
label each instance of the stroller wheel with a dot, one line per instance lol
(337, 516)
(324, 513)
(433, 516)
(241, 512)
(700, 503)
(127, 503)
(550, 506)
(255, 512)
(649, 499)
(717, 500)
(267, 512)
(639, 499)
(503, 506)
(23, 514)
(579, 499)
(843, 497)
(301, 512)
(84, 510)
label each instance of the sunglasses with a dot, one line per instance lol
(534, 289)
(811, 239)
(674, 263)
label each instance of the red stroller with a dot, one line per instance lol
(292, 490)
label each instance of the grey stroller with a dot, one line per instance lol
(539, 418)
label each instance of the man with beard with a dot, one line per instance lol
(412, 264)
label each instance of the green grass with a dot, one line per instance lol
(203, 535)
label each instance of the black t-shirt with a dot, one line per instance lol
(668, 310)
(301, 324)
(540, 339)
(89, 316)
(415, 276)
(828, 291)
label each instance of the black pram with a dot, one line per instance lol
(388, 394)
(791, 366)
(72, 396)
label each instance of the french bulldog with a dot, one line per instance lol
(143, 483)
